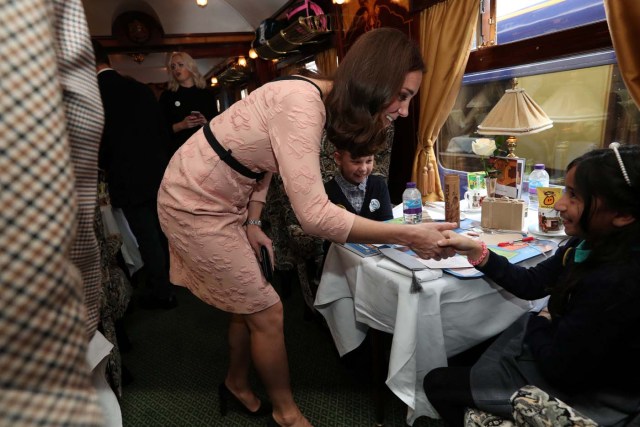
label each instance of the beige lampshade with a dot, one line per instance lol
(573, 103)
(515, 114)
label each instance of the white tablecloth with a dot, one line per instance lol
(115, 222)
(449, 316)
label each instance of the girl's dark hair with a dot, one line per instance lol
(600, 184)
(368, 79)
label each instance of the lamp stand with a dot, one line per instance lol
(511, 146)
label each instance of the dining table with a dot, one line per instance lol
(447, 316)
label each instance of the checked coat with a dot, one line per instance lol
(50, 125)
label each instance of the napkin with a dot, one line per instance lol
(425, 275)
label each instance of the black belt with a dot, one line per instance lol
(225, 156)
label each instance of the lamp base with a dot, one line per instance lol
(512, 142)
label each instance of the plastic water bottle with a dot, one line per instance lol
(537, 178)
(412, 204)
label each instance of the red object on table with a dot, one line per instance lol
(524, 240)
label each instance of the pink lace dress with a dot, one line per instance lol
(202, 202)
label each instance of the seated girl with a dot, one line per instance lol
(584, 347)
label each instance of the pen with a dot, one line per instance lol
(524, 239)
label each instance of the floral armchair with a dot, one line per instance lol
(297, 253)
(115, 291)
(531, 407)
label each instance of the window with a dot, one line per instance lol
(516, 20)
(584, 96)
(522, 19)
(561, 53)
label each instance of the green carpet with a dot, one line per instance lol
(178, 358)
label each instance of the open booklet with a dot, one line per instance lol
(499, 243)
(504, 244)
(362, 249)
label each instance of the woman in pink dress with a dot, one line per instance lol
(210, 207)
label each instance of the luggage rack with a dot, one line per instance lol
(300, 33)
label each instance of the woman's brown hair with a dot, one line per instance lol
(368, 79)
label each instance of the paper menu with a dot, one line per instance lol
(510, 175)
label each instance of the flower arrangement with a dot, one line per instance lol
(485, 147)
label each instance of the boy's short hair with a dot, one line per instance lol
(357, 155)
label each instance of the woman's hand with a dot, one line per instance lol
(191, 121)
(545, 313)
(426, 241)
(258, 238)
(461, 244)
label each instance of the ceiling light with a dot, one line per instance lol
(338, 1)
(214, 81)
(202, 3)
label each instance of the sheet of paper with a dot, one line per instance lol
(494, 239)
(422, 275)
(453, 262)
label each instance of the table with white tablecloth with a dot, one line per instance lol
(448, 316)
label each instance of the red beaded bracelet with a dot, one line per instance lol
(482, 256)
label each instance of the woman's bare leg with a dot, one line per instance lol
(237, 380)
(270, 359)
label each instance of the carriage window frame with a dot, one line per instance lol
(613, 117)
(573, 48)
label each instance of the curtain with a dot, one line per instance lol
(327, 61)
(623, 18)
(446, 30)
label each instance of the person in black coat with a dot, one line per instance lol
(133, 154)
(356, 190)
(187, 104)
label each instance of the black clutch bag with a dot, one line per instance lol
(265, 264)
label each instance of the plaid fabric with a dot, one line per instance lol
(44, 377)
(83, 109)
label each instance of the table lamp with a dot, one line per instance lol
(514, 114)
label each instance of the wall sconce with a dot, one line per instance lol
(214, 81)
(137, 57)
(202, 3)
(252, 53)
(242, 61)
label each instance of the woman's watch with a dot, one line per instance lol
(254, 222)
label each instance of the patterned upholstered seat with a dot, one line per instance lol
(531, 407)
(115, 292)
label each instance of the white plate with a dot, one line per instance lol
(533, 229)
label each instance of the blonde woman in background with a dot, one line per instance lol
(187, 103)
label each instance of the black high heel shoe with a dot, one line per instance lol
(225, 395)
